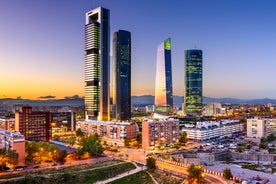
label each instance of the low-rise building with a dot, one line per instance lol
(110, 133)
(160, 132)
(14, 141)
(212, 129)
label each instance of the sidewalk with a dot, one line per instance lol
(138, 169)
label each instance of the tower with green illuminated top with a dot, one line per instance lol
(163, 81)
(193, 82)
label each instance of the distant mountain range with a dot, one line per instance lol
(136, 100)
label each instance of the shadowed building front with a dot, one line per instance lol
(97, 64)
(193, 82)
(122, 75)
(163, 82)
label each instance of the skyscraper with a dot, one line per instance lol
(97, 64)
(193, 82)
(163, 81)
(122, 74)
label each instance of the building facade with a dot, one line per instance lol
(213, 129)
(156, 133)
(7, 123)
(122, 75)
(35, 126)
(193, 82)
(14, 141)
(63, 122)
(260, 127)
(110, 133)
(163, 81)
(97, 65)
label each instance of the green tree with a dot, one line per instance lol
(151, 162)
(79, 133)
(183, 137)
(263, 145)
(139, 138)
(126, 142)
(91, 145)
(271, 137)
(227, 174)
(195, 174)
(31, 148)
(12, 157)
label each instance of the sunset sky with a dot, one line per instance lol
(42, 44)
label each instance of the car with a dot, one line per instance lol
(10, 170)
(19, 169)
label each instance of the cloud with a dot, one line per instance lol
(47, 97)
(73, 97)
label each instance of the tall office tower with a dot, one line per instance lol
(122, 75)
(97, 64)
(163, 81)
(193, 80)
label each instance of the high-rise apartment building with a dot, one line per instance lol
(122, 75)
(161, 132)
(163, 81)
(97, 65)
(34, 125)
(193, 82)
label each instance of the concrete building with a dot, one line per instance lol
(212, 129)
(14, 141)
(34, 125)
(212, 109)
(110, 133)
(7, 123)
(63, 122)
(260, 127)
(160, 132)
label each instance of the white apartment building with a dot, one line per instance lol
(259, 127)
(212, 129)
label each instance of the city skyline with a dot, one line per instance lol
(42, 45)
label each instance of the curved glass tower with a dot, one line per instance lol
(193, 82)
(97, 64)
(163, 81)
(122, 75)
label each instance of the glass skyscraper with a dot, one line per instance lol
(193, 82)
(163, 81)
(122, 75)
(97, 100)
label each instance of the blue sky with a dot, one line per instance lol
(42, 44)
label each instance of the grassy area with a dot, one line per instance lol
(137, 178)
(71, 176)
(165, 178)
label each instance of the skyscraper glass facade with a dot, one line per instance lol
(163, 81)
(193, 82)
(97, 64)
(122, 75)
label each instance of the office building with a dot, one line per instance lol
(212, 109)
(14, 141)
(110, 133)
(122, 75)
(34, 125)
(163, 80)
(193, 82)
(97, 66)
(158, 133)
